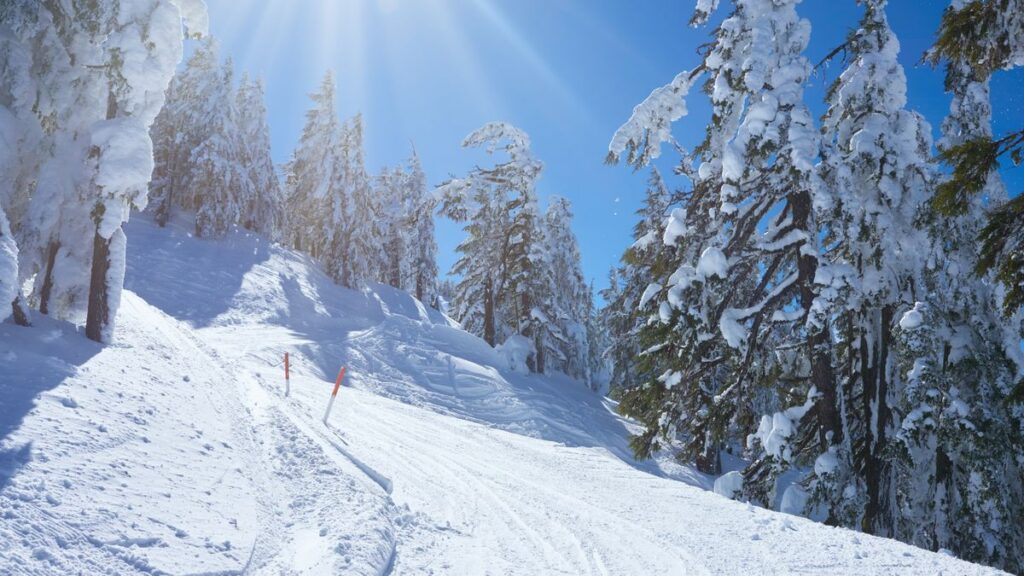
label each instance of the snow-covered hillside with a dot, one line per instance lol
(174, 450)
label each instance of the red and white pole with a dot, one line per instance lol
(334, 394)
(287, 380)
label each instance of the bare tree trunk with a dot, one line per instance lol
(489, 335)
(98, 316)
(876, 412)
(19, 312)
(47, 288)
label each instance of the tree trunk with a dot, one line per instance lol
(876, 412)
(819, 351)
(489, 335)
(19, 312)
(47, 288)
(98, 316)
(710, 460)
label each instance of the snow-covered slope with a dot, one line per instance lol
(174, 449)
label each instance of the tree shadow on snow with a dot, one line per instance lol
(34, 360)
(190, 279)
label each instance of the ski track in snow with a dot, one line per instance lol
(174, 450)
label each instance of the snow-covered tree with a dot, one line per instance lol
(97, 73)
(389, 188)
(261, 201)
(647, 258)
(315, 207)
(977, 38)
(958, 435)
(20, 135)
(745, 237)
(878, 174)
(139, 51)
(366, 229)
(201, 155)
(420, 268)
(493, 297)
(569, 299)
(217, 178)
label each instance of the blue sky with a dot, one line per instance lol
(568, 72)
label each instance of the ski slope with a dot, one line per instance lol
(174, 450)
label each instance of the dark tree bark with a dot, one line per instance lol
(876, 417)
(47, 288)
(489, 335)
(98, 316)
(20, 312)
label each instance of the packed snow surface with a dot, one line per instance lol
(174, 449)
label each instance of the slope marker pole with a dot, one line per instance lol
(287, 379)
(334, 394)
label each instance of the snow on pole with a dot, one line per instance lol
(287, 380)
(334, 394)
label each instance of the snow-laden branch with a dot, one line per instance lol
(650, 126)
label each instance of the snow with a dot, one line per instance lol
(729, 484)
(826, 463)
(514, 351)
(775, 431)
(650, 125)
(172, 450)
(671, 379)
(712, 263)
(675, 228)
(912, 318)
(794, 500)
(651, 291)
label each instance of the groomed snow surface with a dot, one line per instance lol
(174, 450)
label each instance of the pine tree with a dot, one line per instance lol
(493, 297)
(316, 205)
(20, 138)
(977, 38)
(877, 171)
(389, 189)
(957, 431)
(95, 74)
(648, 258)
(262, 203)
(366, 229)
(136, 30)
(745, 238)
(420, 267)
(568, 299)
(217, 178)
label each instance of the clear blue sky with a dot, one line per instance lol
(567, 71)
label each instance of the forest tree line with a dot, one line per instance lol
(819, 296)
(98, 120)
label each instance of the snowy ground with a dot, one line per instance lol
(174, 450)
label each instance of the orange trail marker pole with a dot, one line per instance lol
(334, 394)
(287, 380)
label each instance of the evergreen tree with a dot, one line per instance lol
(316, 204)
(420, 268)
(648, 258)
(977, 38)
(390, 191)
(216, 177)
(745, 240)
(568, 297)
(262, 202)
(365, 228)
(494, 296)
